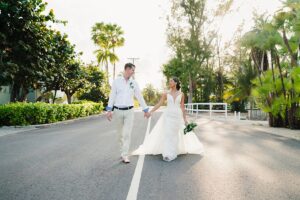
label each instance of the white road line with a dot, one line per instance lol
(135, 182)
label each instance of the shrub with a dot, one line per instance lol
(13, 114)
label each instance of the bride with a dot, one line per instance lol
(167, 137)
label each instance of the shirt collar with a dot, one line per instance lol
(130, 79)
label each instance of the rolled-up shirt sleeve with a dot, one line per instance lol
(140, 98)
(112, 97)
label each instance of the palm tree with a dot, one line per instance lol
(115, 36)
(240, 91)
(274, 44)
(105, 56)
(149, 93)
(107, 37)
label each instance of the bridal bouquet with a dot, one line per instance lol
(189, 127)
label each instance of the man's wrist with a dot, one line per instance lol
(146, 110)
(108, 108)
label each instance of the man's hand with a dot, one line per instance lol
(109, 115)
(147, 114)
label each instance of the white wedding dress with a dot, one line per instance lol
(167, 137)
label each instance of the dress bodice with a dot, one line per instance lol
(173, 102)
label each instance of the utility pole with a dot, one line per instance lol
(133, 59)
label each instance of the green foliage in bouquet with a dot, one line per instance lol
(189, 127)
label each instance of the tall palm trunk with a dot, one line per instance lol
(114, 70)
(286, 42)
(293, 121)
(273, 121)
(190, 98)
(106, 69)
(257, 66)
(269, 55)
(277, 61)
(280, 72)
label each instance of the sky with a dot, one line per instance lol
(144, 25)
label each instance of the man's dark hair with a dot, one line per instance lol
(129, 65)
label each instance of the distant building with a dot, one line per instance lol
(4, 94)
(31, 97)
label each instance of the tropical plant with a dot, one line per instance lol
(151, 95)
(96, 88)
(107, 37)
(274, 48)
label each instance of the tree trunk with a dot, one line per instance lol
(15, 90)
(275, 121)
(294, 122)
(114, 70)
(286, 42)
(114, 73)
(221, 86)
(280, 72)
(282, 122)
(106, 69)
(54, 96)
(264, 65)
(190, 99)
(251, 110)
(24, 94)
(257, 66)
(269, 55)
(69, 97)
(69, 93)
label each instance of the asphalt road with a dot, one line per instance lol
(81, 161)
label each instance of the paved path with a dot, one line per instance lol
(80, 161)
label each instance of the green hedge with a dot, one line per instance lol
(13, 114)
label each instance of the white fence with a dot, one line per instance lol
(195, 108)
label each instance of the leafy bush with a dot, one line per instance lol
(40, 113)
(82, 102)
(270, 96)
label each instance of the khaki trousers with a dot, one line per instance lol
(124, 121)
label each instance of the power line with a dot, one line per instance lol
(133, 59)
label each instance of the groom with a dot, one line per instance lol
(121, 102)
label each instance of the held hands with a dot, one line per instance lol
(109, 115)
(147, 114)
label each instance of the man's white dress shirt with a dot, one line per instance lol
(122, 93)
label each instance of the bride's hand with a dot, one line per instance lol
(186, 123)
(147, 115)
(151, 113)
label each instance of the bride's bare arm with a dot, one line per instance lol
(183, 108)
(161, 101)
